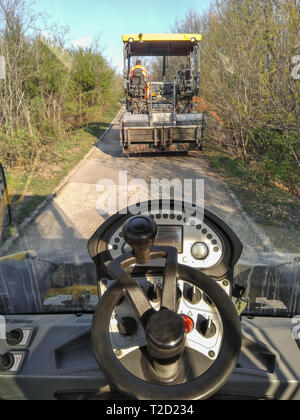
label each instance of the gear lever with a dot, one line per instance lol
(140, 233)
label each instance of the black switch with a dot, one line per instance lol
(6, 362)
(192, 294)
(15, 337)
(154, 293)
(128, 326)
(206, 327)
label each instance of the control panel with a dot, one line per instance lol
(13, 350)
(202, 321)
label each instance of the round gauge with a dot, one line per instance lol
(200, 251)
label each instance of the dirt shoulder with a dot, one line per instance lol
(29, 189)
(268, 203)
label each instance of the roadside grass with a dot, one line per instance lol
(55, 164)
(268, 202)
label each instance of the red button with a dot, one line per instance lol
(188, 323)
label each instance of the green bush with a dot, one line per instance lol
(274, 151)
(246, 74)
(49, 89)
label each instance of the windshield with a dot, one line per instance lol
(88, 126)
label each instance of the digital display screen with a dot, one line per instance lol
(170, 236)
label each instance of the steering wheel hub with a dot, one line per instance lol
(165, 333)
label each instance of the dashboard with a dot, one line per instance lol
(204, 242)
(55, 349)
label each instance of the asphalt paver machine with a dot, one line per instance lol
(160, 115)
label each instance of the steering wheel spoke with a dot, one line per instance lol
(169, 292)
(134, 293)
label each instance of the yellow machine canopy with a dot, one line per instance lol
(161, 44)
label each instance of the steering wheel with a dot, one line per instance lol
(162, 365)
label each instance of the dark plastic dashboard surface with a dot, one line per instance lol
(59, 361)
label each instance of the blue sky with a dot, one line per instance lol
(110, 19)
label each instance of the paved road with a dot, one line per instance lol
(68, 221)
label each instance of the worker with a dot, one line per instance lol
(138, 65)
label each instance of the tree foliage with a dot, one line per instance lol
(247, 54)
(49, 88)
(247, 65)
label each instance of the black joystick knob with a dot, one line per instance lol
(165, 333)
(6, 362)
(140, 233)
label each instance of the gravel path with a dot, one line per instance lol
(69, 219)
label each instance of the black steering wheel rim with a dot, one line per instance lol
(200, 388)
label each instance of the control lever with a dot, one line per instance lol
(140, 233)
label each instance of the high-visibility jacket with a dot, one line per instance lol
(144, 71)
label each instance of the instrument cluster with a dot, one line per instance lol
(197, 243)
